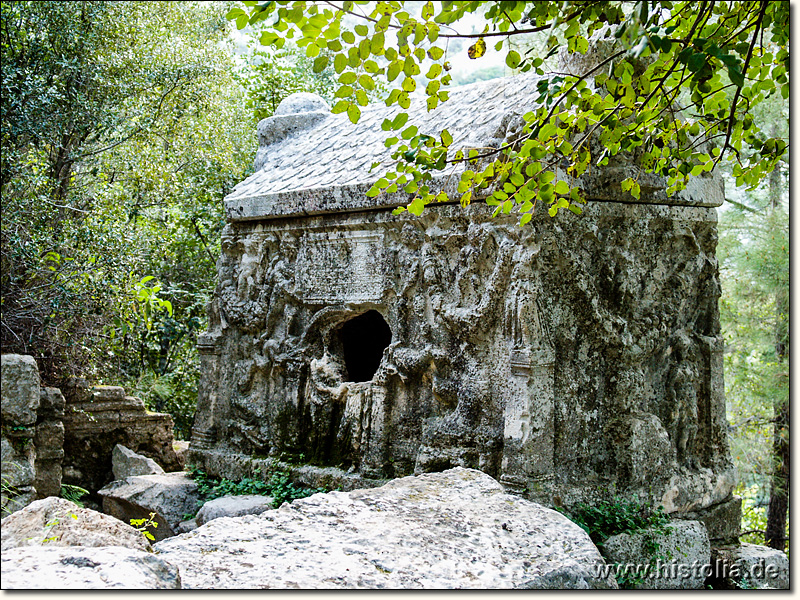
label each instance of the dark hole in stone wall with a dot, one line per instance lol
(364, 338)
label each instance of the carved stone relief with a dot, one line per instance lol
(560, 358)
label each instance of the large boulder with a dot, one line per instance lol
(675, 560)
(455, 529)
(750, 566)
(126, 463)
(171, 496)
(233, 506)
(59, 522)
(81, 568)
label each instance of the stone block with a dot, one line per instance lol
(680, 561)
(49, 440)
(48, 478)
(750, 566)
(20, 390)
(170, 496)
(723, 521)
(233, 506)
(126, 463)
(51, 404)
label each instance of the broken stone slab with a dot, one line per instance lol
(455, 529)
(186, 526)
(80, 568)
(680, 561)
(723, 521)
(750, 566)
(126, 463)
(233, 506)
(171, 496)
(181, 448)
(59, 522)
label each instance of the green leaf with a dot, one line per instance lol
(416, 206)
(339, 63)
(513, 59)
(353, 113)
(320, 63)
(435, 53)
(447, 139)
(409, 132)
(399, 120)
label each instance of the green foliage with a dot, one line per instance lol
(753, 253)
(278, 486)
(141, 526)
(73, 493)
(123, 128)
(271, 75)
(612, 517)
(675, 85)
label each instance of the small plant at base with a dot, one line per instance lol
(279, 486)
(612, 517)
(73, 493)
(49, 526)
(141, 526)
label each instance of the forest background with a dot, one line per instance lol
(124, 124)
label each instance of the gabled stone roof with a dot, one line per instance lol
(304, 156)
(311, 161)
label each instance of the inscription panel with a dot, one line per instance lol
(341, 267)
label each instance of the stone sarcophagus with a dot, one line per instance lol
(571, 357)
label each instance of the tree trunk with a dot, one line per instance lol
(779, 487)
(775, 536)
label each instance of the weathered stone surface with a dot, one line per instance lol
(100, 417)
(51, 404)
(186, 526)
(446, 530)
(723, 521)
(20, 393)
(126, 463)
(751, 566)
(233, 506)
(478, 315)
(80, 568)
(576, 353)
(181, 448)
(59, 522)
(678, 565)
(20, 389)
(49, 442)
(170, 496)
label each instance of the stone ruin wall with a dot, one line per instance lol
(570, 357)
(48, 440)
